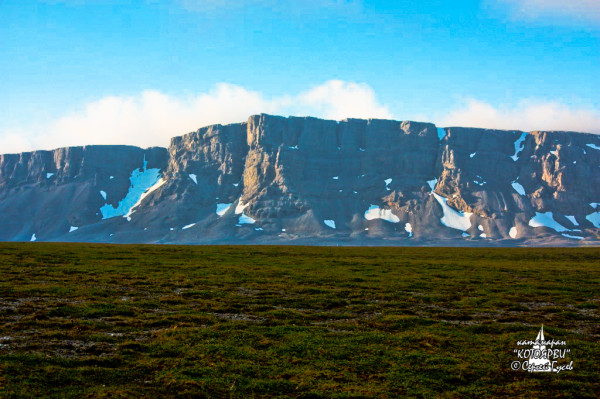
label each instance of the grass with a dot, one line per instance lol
(129, 321)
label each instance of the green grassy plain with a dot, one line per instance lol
(129, 321)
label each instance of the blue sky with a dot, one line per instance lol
(104, 71)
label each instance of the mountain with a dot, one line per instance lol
(311, 181)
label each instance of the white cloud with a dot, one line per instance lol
(527, 115)
(578, 9)
(152, 117)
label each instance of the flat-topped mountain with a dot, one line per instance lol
(311, 181)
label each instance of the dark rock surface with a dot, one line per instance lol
(296, 178)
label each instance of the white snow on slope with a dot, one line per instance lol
(112, 177)
(432, 183)
(143, 182)
(518, 188)
(519, 146)
(594, 218)
(572, 220)
(408, 229)
(513, 232)
(187, 226)
(72, 229)
(594, 146)
(335, 177)
(480, 181)
(49, 175)
(472, 155)
(33, 237)
(294, 147)
(387, 183)
(154, 187)
(452, 218)
(193, 177)
(374, 212)
(239, 208)
(570, 236)
(222, 209)
(103, 194)
(441, 133)
(546, 220)
(329, 223)
(245, 219)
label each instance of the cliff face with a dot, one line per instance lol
(305, 180)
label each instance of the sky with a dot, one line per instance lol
(77, 72)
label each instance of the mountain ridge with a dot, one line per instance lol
(313, 181)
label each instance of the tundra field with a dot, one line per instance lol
(129, 321)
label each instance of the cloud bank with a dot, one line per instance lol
(527, 115)
(152, 117)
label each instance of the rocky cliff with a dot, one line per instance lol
(311, 181)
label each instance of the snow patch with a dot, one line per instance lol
(408, 229)
(33, 237)
(49, 175)
(594, 219)
(441, 133)
(546, 220)
(483, 235)
(239, 208)
(512, 232)
(296, 147)
(259, 229)
(374, 212)
(553, 152)
(387, 183)
(112, 177)
(518, 188)
(72, 229)
(570, 236)
(480, 227)
(329, 223)
(452, 218)
(572, 220)
(335, 177)
(222, 209)
(432, 183)
(594, 146)
(361, 149)
(245, 219)
(472, 154)
(236, 184)
(519, 146)
(187, 226)
(193, 177)
(143, 182)
(480, 181)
